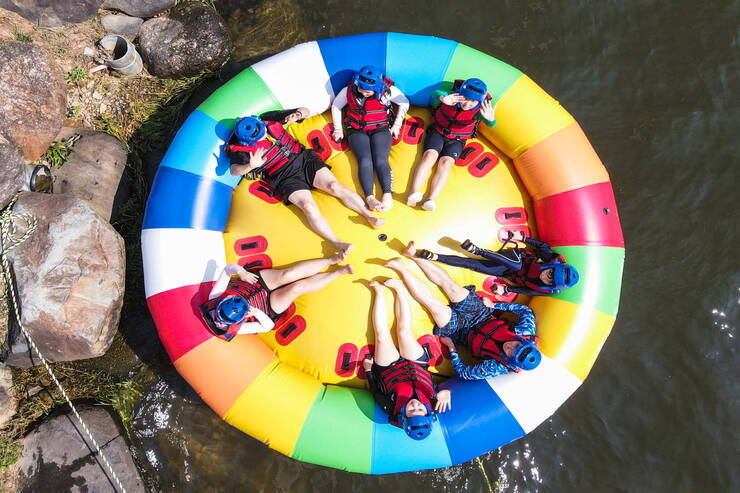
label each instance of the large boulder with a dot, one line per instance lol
(139, 8)
(58, 456)
(12, 170)
(11, 24)
(8, 402)
(70, 280)
(121, 24)
(34, 97)
(94, 170)
(46, 13)
(193, 38)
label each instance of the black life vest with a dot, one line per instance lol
(456, 123)
(255, 294)
(529, 273)
(405, 381)
(486, 340)
(282, 148)
(367, 113)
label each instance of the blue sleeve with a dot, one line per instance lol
(487, 368)
(541, 249)
(526, 325)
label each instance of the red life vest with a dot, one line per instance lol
(255, 294)
(486, 340)
(281, 149)
(529, 274)
(407, 380)
(456, 123)
(367, 113)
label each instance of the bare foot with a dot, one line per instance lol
(375, 222)
(373, 204)
(346, 269)
(395, 263)
(410, 250)
(339, 257)
(387, 201)
(343, 248)
(375, 285)
(394, 283)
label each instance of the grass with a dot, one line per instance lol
(123, 400)
(76, 75)
(58, 152)
(21, 36)
(74, 111)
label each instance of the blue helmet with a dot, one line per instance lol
(527, 356)
(232, 310)
(417, 427)
(249, 130)
(474, 89)
(370, 78)
(563, 275)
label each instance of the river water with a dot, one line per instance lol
(655, 87)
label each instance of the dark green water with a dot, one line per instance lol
(655, 87)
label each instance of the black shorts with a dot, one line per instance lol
(297, 174)
(271, 313)
(423, 361)
(444, 146)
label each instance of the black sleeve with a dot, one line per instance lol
(522, 290)
(541, 249)
(277, 116)
(236, 157)
(380, 396)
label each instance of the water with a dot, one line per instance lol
(655, 87)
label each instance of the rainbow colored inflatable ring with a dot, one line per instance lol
(300, 388)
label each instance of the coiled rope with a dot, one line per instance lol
(9, 239)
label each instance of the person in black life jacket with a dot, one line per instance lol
(264, 149)
(535, 271)
(251, 302)
(399, 379)
(371, 127)
(454, 121)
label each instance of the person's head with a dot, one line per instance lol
(417, 419)
(249, 130)
(522, 354)
(369, 81)
(232, 310)
(559, 275)
(474, 91)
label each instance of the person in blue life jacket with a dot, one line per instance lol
(261, 148)
(454, 121)
(399, 379)
(251, 302)
(536, 270)
(474, 321)
(371, 125)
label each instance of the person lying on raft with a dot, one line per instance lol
(369, 99)
(454, 121)
(534, 272)
(399, 381)
(264, 149)
(251, 302)
(467, 311)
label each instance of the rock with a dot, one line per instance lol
(192, 39)
(89, 51)
(11, 24)
(70, 280)
(45, 13)
(58, 456)
(139, 8)
(8, 403)
(121, 24)
(12, 170)
(34, 97)
(94, 170)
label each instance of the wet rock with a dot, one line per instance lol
(193, 38)
(70, 280)
(139, 8)
(58, 456)
(12, 170)
(34, 97)
(121, 24)
(94, 171)
(45, 13)
(8, 403)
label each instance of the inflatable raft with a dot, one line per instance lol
(300, 388)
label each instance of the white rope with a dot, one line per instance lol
(8, 241)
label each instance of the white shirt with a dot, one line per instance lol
(263, 324)
(394, 95)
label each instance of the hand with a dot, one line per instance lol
(499, 289)
(256, 158)
(444, 401)
(448, 342)
(451, 99)
(487, 110)
(337, 135)
(298, 114)
(367, 363)
(250, 312)
(247, 276)
(395, 130)
(517, 235)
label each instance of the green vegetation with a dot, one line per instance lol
(122, 400)
(21, 36)
(76, 74)
(110, 127)
(74, 111)
(58, 152)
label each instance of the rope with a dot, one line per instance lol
(485, 475)
(9, 239)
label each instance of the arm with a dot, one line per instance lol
(541, 249)
(399, 99)
(223, 280)
(436, 98)
(487, 368)
(277, 115)
(263, 323)
(380, 397)
(522, 290)
(486, 113)
(526, 325)
(340, 101)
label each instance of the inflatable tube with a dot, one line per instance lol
(299, 388)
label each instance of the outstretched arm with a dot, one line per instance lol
(526, 325)
(542, 249)
(485, 369)
(340, 101)
(263, 323)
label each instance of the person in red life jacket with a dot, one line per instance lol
(251, 302)
(537, 271)
(454, 121)
(398, 378)
(264, 149)
(371, 128)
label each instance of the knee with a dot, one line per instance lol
(308, 207)
(335, 188)
(429, 155)
(445, 164)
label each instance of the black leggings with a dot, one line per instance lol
(372, 152)
(496, 264)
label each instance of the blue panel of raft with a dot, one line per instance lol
(345, 56)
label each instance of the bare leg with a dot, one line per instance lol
(422, 170)
(440, 312)
(437, 275)
(407, 343)
(304, 201)
(281, 298)
(385, 351)
(274, 278)
(327, 182)
(444, 166)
